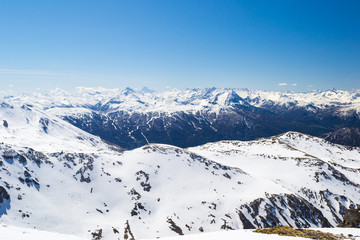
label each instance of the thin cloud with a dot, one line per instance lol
(288, 84)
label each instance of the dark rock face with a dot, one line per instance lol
(4, 201)
(351, 218)
(180, 129)
(240, 122)
(174, 227)
(3, 195)
(349, 136)
(44, 122)
(128, 235)
(270, 212)
(97, 234)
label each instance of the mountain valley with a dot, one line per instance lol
(193, 117)
(58, 178)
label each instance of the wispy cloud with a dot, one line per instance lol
(288, 84)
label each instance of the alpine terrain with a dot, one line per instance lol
(193, 117)
(58, 178)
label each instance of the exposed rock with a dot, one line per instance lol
(351, 218)
(128, 235)
(301, 212)
(44, 122)
(175, 227)
(3, 195)
(97, 234)
(144, 178)
(349, 136)
(4, 201)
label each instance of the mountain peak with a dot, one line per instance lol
(147, 90)
(234, 99)
(128, 91)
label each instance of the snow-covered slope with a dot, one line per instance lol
(248, 234)
(324, 174)
(26, 125)
(17, 233)
(155, 191)
(193, 117)
(57, 178)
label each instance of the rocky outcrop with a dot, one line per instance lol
(4, 200)
(351, 218)
(349, 136)
(278, 209)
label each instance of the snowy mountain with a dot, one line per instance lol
(193, 117)
(26, 125)
(57, 178)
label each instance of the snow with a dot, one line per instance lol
(8, 232)
(248, 234)
(294, 161)
(83, 100)
(319, 99)
(172, 173)
(77, 184)
(32, 127)
(355, 232)
(347, 157)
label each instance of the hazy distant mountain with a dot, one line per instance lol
(58, 178)
(192, 117)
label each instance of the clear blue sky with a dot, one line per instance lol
(269, 45)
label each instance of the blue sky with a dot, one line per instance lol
(268, 45)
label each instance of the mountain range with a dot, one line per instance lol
(193, 117)
(59, 178)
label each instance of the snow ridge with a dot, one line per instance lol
(212, 99)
